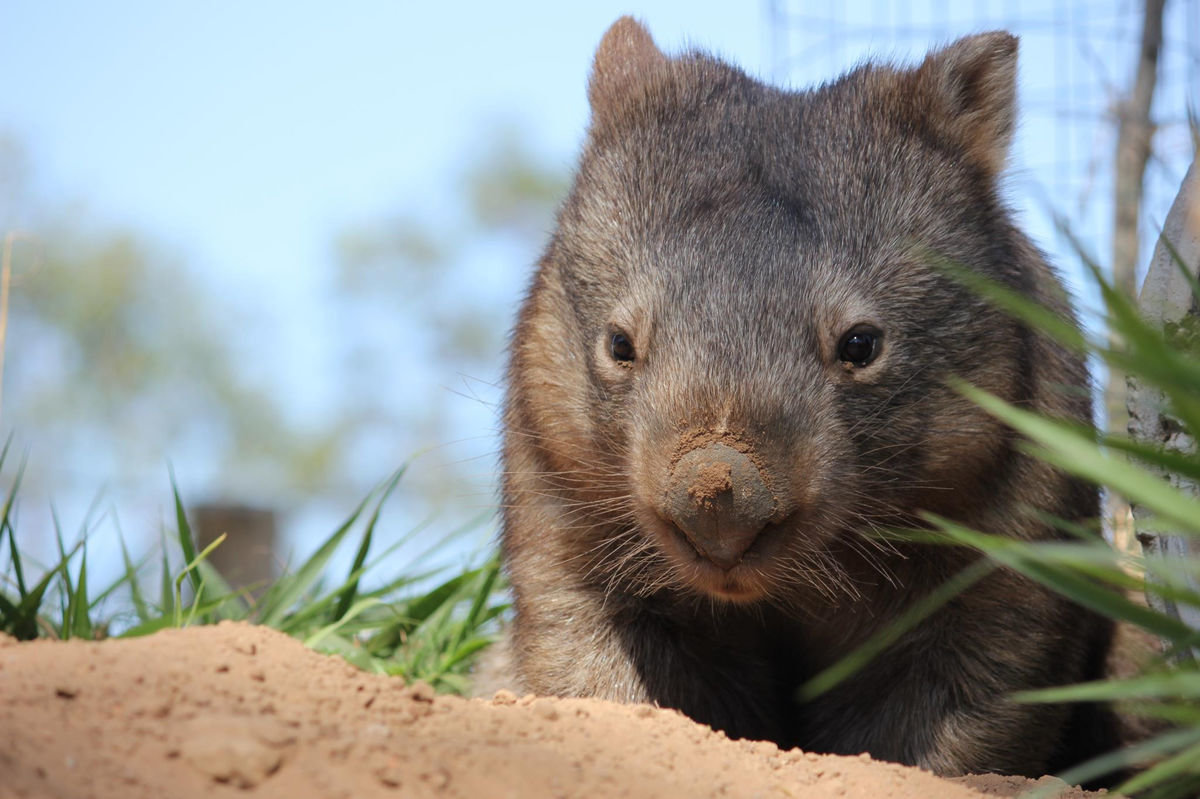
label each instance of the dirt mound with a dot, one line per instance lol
(239, 710)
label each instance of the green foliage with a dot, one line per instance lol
(405, 274)
(403, 627)
(1091, 573)
(154, 348)
(162, 352)
(510, 189)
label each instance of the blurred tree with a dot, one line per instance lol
(118, 358)
(436, 299)
(1135, 132)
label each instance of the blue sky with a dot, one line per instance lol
(247, 132)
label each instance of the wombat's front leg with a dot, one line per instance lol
(941, 697)
(563, 643)
(620, 650)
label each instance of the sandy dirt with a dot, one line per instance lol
(237, 710)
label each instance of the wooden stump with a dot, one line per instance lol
(246, 559)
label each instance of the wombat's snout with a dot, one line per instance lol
(717, 497)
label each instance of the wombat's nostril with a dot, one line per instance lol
(717, 497)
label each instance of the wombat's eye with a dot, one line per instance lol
(859, 346)
(621, 348)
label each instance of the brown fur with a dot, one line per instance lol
(735, 231)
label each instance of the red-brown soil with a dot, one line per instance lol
(237, 710)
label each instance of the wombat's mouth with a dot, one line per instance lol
(745, 581)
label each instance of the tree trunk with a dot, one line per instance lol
(1166, 299)
(1134, 132)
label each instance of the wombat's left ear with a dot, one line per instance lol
(625, 55)
(972, 86)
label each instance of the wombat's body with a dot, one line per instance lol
(731, 371)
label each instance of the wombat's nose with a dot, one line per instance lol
(718, 498)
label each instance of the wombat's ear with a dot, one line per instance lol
(972, 85)
(625, 55)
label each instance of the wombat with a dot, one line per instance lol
(733, 370)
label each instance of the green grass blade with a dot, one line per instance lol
(1131, 756)
(1150, 356)
(300, 619)
(433, 634)
(427, 640)
(342, 619)
(1176, 258)
(483, 592)
(126, 578)
(421, 627)
(350, 593)
(464, 651)
(194, 610)
(287, 590)
(1075, 451)
(150, 626)
(190, 571)
(65, 585)
(347, 597)
(1177, 715)
(920, 610)
(1184, 762)
(235, 605)
(1165, 459)
(1094, 560)
(422, 608)
(14, 556)
(11, 619)
(30, 606)
(4, 451)
(1087, 533)
(6, 520)
(80, 620)
(131, 575)
(1162, 368)
(108, 592)
(1104, 600)
(1166, 685)
(1013, 303)
(187, 543)
(1175, 576)
(306, 615)
(166, 602)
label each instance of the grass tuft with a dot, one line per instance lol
(1085, 569)
(403, 627)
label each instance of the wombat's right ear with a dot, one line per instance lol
(625, 55)
(972, 86)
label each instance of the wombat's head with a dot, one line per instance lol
(733, 363)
